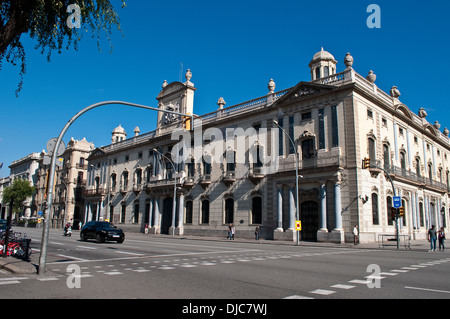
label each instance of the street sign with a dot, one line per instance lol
(51, 147)
(298, 225)
(397, 202)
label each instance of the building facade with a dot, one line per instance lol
(238, 165)
(70, 183)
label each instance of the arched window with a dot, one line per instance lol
(421, 217)
(389, 210)
(403, 161)
(138, 177)
(257, 210)
(308, 148)
(124, 182)
(386, 157)
(430, 173)
(372, 152)
(318, 73)
(375, 218)
(418, 167)
(136, 213)
(123, 213)
(205, 211)
(229, 211)
(189, 210)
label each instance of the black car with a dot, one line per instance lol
(102, 231)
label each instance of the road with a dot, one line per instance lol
(172, 268)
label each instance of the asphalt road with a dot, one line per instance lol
(172, 268)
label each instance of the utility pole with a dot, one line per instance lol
(8, 228)
(367, 164)
(45, 233)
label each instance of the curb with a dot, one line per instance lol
(17, 266)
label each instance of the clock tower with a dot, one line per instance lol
(177, 97)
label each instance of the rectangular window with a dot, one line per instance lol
(334, 126)
(280, 138)
(306, 116)
(321, 129)
(291, 134)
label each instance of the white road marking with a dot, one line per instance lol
(339, 286)
(297, 297)
(322, 292)
(427, 289)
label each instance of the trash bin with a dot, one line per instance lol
(25, 243)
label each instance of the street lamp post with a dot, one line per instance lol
(296, 176)
(174, 190)
(45, 233)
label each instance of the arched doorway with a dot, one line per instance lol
(166, 220)
(309, 212)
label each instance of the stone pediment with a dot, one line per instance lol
(302, 90)
(98, 152)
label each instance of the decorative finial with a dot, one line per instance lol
(348, 61)
(422, 113)
(395, 93)
(164, 84)
(137, 131)
(446, 131)
(221, 103)
(188, 75)
(437, 125)
(271, 86)
(372, 77)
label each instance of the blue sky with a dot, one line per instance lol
(233, 48)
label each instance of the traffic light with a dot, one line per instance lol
(401, 212)
(393, 213)
(366, 163)
(187, 120)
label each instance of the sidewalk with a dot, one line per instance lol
(17, 266)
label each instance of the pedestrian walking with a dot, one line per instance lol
(233, 231)
(229, 231)
(432, 235)
(355, 235)
(257, 233)
(441, 238)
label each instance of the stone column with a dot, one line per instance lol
(180, 229)
(338, 232)
(322, 233)
(279, 208)
(292, 207)
(155, 228)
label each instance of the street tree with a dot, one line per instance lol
(49, 24)
(19, 191)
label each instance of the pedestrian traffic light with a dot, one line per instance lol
(401, 212)
(366, 163)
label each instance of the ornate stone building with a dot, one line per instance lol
(238, 166)
(70, 183)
